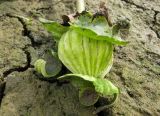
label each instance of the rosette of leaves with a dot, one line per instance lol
(85, 47)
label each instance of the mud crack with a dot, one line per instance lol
(26, 32)
(154, 24)
(43, 8)
(2, 88)
(144, 8)
(20, 69)
(17, 69)
(138, 6)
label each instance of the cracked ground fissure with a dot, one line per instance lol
(139, 6)
(154, 24)
(20, 69)
(132, 3)
(25, 32)
(143, 8)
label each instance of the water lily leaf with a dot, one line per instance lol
(95, 28)
(55, 28)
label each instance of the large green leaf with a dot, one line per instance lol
(102, 86)
(82, 55)
(55, 28)
(95, 28)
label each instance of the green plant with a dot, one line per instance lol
(86, 49)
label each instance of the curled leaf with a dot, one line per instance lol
(40, 67)
(49, 68)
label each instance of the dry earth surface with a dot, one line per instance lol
(136, 68)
